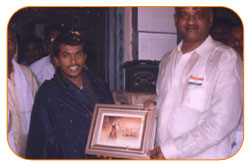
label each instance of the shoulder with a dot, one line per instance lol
(223, 50)
(96, 81)
(228, 57)
(216, 53)
(225, 59)
(39, 64)
(43, 98)
(92, 76)
(45, 93)
(25, 69)
(166, 55)
(166, 58)
(101, 88)
(30, 77)
(29, 74)
(48, 85)
(220, 46)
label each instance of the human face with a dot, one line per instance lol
(193, 23)
(32, 52)
(236, 40)
(71, 60)
(11, 44)
(220, 33)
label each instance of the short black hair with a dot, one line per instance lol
(51, 28)
(210, 9)
(13, 30)
(32, 39)
(67, 38)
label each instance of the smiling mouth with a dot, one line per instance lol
(73, 67)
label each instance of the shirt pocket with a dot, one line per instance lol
(194, 96)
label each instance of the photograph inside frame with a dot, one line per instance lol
(121, 131)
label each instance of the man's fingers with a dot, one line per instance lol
(154, 153)
(149, 103)
(103, 156)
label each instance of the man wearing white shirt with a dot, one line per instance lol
(199, 93)
(22, 87)
(44, 68)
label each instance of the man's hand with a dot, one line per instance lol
(103, 157)
(156, 153)
(148, 103)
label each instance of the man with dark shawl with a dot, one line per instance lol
(63, 106)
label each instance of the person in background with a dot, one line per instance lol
(236, 39)
(32, 49)
(44, 68)
(63, 106)
(199, 92)
(236, 42)
(220, 30)
(22, 87)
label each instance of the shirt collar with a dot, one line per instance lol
(203, 49)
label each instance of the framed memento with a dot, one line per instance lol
(121, 131)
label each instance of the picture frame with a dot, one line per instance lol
(121, 131)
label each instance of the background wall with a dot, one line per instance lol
(115, 34)
(156, 32)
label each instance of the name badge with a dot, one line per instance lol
(195, 81)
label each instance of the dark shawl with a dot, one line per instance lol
(61, 118)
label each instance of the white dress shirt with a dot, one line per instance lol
(199, 100)
(22, 87)
(43, 69)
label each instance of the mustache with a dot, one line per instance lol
(193, 26)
